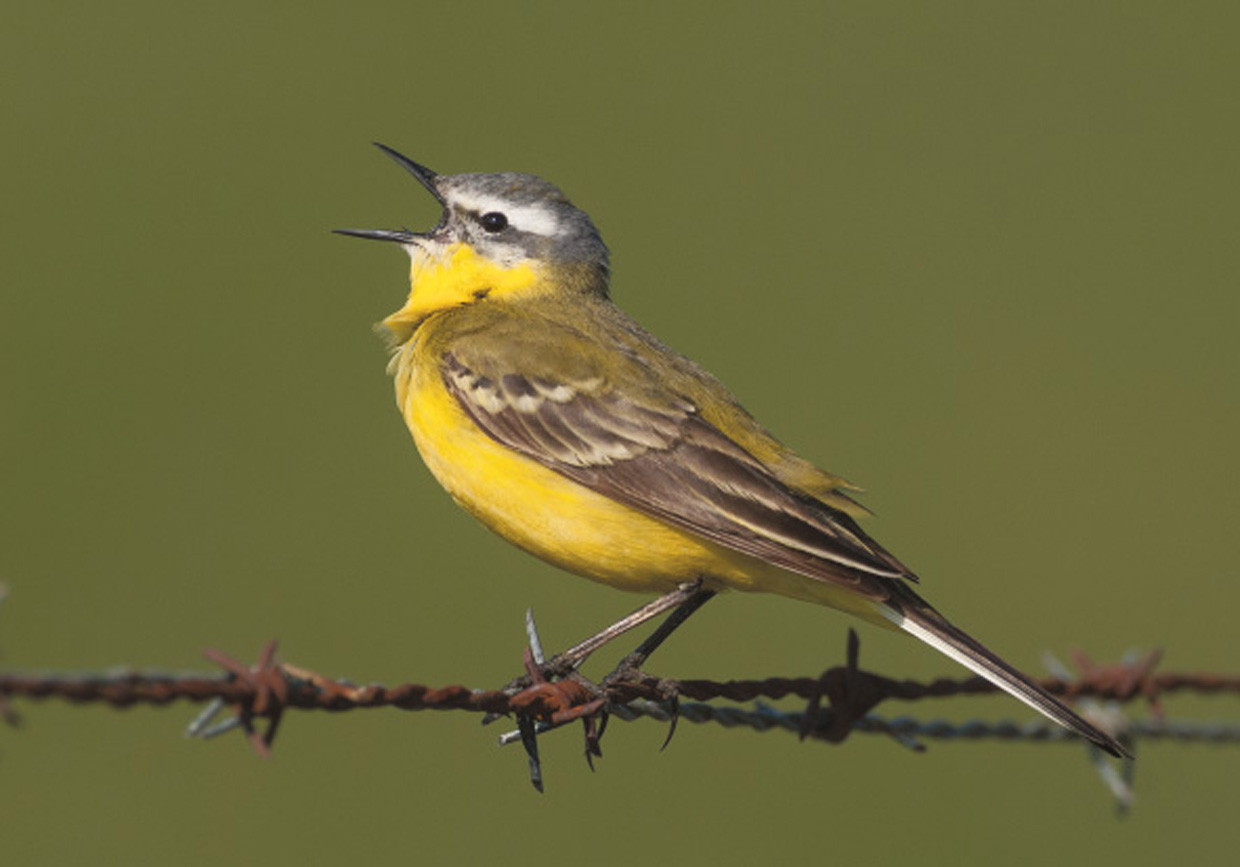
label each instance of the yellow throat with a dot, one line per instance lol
(451, 277)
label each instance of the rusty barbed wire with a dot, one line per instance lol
(268, 688)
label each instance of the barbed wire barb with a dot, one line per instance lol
(838, 702)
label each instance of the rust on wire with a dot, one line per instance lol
(548, 698)
(269, 687)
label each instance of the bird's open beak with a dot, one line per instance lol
(426, 178)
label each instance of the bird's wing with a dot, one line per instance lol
(610, 424)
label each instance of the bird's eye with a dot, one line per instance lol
(493, 221)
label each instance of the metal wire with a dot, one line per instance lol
(269, 688)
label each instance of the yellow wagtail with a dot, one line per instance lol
(566, 428)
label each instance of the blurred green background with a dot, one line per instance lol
(980, 258)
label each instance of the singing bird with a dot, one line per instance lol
(569, 430)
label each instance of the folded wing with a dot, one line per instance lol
(655, 453)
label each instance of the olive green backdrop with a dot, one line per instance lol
(980, 258)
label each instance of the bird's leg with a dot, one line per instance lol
(685, 599)
(632, 663)
(682, 597)
(629, 668)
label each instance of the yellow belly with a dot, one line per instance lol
(570, 525)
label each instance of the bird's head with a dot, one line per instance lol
(503, 234)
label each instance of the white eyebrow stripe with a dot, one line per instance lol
(535, 219)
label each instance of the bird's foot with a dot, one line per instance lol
(628, 683)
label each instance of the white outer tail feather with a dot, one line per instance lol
(995, 675)
(942, 646)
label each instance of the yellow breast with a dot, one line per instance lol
(535, 508)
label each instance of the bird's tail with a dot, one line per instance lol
(922, 621)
